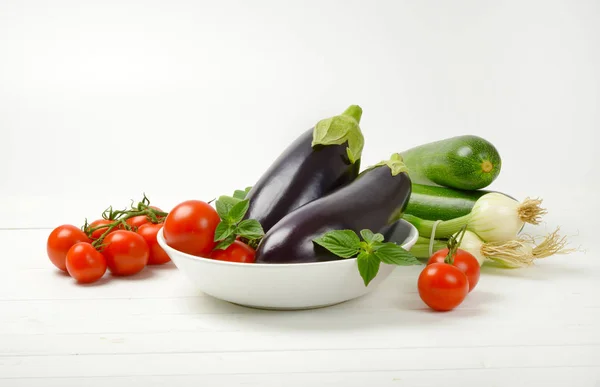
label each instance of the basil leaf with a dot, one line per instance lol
(394, 254)
(368, 266)
(238, 211)
(343, 243)
(225, 243)
(222, 208)
(223, 231)
(378, 237)
(250, 229)
(239, 194)
(229, 201)
(367, 235)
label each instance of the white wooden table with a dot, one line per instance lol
(536, 326)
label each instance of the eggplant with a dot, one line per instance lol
(321, 160)
(377, 198)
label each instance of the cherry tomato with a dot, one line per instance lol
(126, 252)
(236, 252)
(464, 260)
(100, 222)
(85, 263)
(190, 228)
(157, 255)
(60, 240)
(442, 286)
(137, 221)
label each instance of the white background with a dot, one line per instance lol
(102, 101)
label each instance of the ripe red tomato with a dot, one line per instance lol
(126, 252)
(190, 228)
(442, 286)
(100, 222)
(157, 255)
(236, 252)
(60, 240)
(464, 260)
(137, 221)
(85, 263)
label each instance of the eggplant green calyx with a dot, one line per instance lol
(369, 252)
(340, 129)
(395, 163)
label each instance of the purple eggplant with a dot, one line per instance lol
(376, 199)
(318, 162)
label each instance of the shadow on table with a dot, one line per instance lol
(148, 272)
(539, 271)
(385, 308)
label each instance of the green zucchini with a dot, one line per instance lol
(441, 203)
(463, 162)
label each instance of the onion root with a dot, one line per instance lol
(530, 211)
(525, 250)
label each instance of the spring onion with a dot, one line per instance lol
(510, 254)
(494, 218)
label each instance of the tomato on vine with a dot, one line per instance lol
(85, 263)
(450, 274)
(109, 242)
(139, 220)
(463, 260)
(126, 252)
(60, 240)
(157, 255)
(442, 286)
(99, 227)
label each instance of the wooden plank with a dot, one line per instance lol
(299, 362)
(520, 376)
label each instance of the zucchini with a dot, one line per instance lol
(463, 162)
(441, 203)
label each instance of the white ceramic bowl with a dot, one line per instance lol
(281, 286)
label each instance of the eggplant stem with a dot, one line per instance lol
(353, 111)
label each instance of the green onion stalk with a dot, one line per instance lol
(494, 218)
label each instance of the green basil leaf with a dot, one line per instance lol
(223, 231)
(237, 212)
(225, 243)
(368, 266)
(229, 201)
(250, 229)
(378, 237)
(239, 194)
(367, 235)
(343, 243)
(394, 254)
(222, 208)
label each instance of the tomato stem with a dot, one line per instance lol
(453, 245)
(119, 219)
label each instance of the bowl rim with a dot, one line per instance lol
(410, 240)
